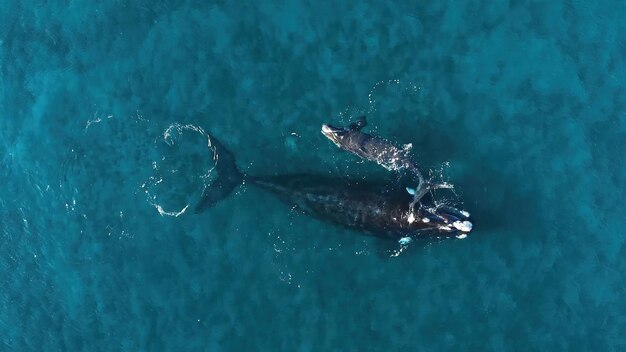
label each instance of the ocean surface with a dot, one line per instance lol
(104, 113)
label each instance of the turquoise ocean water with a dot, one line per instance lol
(520, 104)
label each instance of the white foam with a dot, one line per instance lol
(405, 240)
(170, 213)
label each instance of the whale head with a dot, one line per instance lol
(450, 220)
(335, 134)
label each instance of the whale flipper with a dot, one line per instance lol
(358, 124)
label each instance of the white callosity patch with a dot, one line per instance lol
(464, 226)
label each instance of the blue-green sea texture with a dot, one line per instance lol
(104, 111)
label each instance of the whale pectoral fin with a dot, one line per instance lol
(358, 124)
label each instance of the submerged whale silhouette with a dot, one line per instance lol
(375, 208)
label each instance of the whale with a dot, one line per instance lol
(369, 147)
(372, 207)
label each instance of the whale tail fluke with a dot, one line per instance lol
(228, 177)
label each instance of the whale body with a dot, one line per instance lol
(370, 147)
(386, 154)
(370, 207)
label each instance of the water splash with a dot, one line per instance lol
(182, 171)
(390, 91)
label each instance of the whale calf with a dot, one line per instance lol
(381, 151)
(372, 207)
(370, 147)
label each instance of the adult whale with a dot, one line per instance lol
(371, 207)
